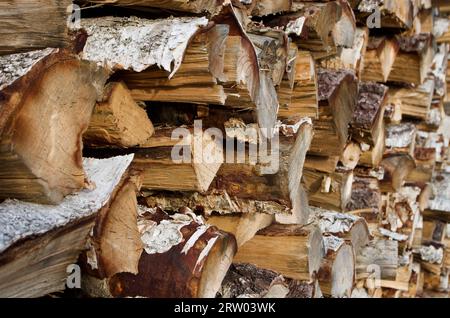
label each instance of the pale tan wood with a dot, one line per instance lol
(243, 226)
(118, 121)
(291, 250)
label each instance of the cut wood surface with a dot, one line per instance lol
(41, 145)
(118, 120)
(194, 255)
(291, 250)
(38, 242)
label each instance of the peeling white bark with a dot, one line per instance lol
(14, 66)
(20, 220)
(162, 237)
(136, 44)
(431, 254)
(332, 243)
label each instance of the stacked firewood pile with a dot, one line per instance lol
(246, 148)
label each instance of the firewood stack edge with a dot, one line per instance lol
(247, 148)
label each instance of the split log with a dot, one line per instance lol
(396, 169)
(291, 250)
(304, 99)
(367, 122)
(249, 281)
(352, 228)
(350, 156)
(311, 26)
(352, 58)
(193, 156)
(413, 102)
(381, 253)
(39, 242)
(243, 226)
(379, 58)
(195, 258)
(413, 60)
(366, 197)
(322, 164)
(337, 96)
(371, 156)
(400, 139)
(329, 191)
(41, 144)
(254, 181)
(401, 213)
(394, 13)
(344, 31)
(118, 121)
(33, 25)
(337, 271)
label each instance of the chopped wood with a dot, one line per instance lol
(40, 241)
(40, 137)
(118, 120)
(291, 250)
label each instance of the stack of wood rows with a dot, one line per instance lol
(232, 148)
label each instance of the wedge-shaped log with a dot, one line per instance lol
(47, 98)
(250, 281)
(117, 120)
(337, 271)
(291, 250)
(195, 257)
(338, 92)
(39, 242)
(379, 58)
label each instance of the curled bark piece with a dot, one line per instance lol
(194, 255)
(249, 281)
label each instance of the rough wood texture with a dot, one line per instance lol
(394, 13)
(337, 92)
(249, 281)
(41, 123)
(414, 59)
(312, 26)
(380, 252)
(329, 191)
(192, 6)
(242, 226)
(38, 242)
(291, 250)
(367, 122)
(195, 258)
(117, 120)
(282, 185)
(352, 228)
(193, 159)
(379, 58)
(337, 271)
(33, 25)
